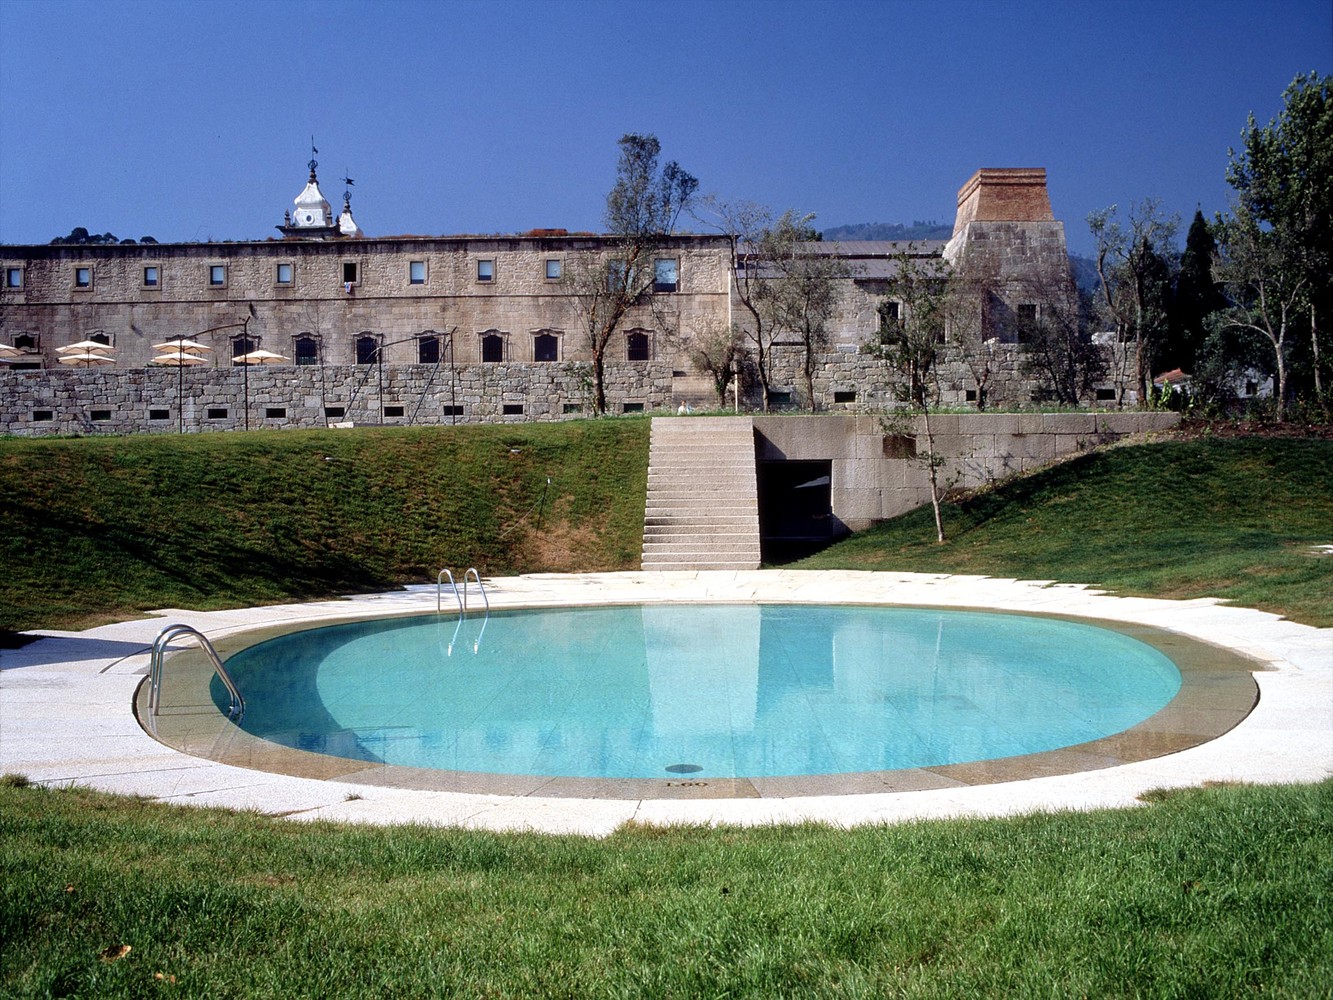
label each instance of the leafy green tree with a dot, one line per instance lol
(1283, 177)
(801, 287)
(641, 210)
(1197, 296)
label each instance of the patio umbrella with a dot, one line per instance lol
(175, 358)
(86, 359)
(9, 352)
(260, 358)
(85, 347)
(182, 344)
(254, 358)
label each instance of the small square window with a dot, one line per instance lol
(13, 277)
(970, 395)
(43, 415)
(844, 395)
(159, 414)
(1103, 395)
(151, 276)
(217, 275)
(554, 270)
(350, 271)
(283, 273)
(83, 277)
(416, 272)
(486, 270)
(665, 274)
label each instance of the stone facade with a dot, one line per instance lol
(490, 319)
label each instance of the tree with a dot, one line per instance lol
(1133, 266)
(971, 309)
(715, 350)
(747, 227)
(1057, 339)
(641, 210)
(1268, 287)
(801, 288)
(1283, 177)
(1197, 296)
(913, 319)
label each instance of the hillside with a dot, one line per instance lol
(98, 528)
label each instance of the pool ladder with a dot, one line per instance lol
(236, 704)
(461, 597)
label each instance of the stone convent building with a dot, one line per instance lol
(428, 330)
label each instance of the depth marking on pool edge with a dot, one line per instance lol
(684, 768)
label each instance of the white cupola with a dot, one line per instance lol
(313, 210)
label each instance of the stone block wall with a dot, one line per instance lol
(168, 400)
(873, 479)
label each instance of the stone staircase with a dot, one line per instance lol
(703, 497)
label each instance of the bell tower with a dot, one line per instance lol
(313, 215)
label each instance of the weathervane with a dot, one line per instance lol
(313, 151)
(347, 189)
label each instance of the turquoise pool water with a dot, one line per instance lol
(708, 690)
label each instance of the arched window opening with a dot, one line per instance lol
(25, 342)
(638, 346)
(428, 349)
(367, 349)
(545, 347)
(306, 350)
(492, 348)
(100, 338)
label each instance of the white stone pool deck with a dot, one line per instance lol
(66, 717)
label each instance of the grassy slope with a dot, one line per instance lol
(1210, 893)
(94, 529)
(1225, 518)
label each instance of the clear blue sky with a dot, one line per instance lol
(192, 120)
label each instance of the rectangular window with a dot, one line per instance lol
(349, 272)
(83, 277)
(151, 277)
(554, 269)
(665, 274)
(13, 277)
(43, 415)
(100, 415)
(275, 412)
(571, 408)
(844, 396)
(283, 273)
(631, 408)
(393, 411)
(486, 270)
(334, 411)
(511, 409)
(159, 414)
(217, 276)
(1105, 395)
(416, 272)
(217, 413)
(452, 410)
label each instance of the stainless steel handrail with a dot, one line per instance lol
(439, 591)
(471, 571)
(236, 705)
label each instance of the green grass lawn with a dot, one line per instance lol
(1230, 518)
(97, 529)
(1217, 892)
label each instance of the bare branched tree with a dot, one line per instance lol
(605, 286)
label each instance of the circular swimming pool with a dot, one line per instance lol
(698, 691)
